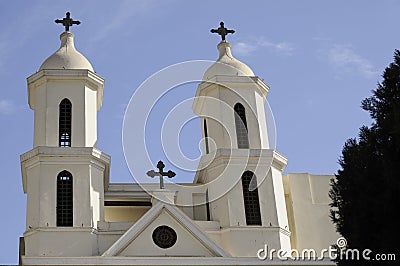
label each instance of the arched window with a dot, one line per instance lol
(64, 199)
(64, 123)
(206, 136)
(241, 126)
(250, 196)
(208, 207)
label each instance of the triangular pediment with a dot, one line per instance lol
(182, 237)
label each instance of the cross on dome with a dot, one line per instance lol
(222, 31)
(67, 21)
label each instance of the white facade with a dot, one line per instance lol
(117, 224)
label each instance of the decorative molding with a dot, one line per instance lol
(258, 157)
(256, 228)
(91, 79)
(65, 74)
(58, 230)
(167, 261)
(68, 155)
(228, 82)
(65, 151)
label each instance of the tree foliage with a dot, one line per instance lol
(365, 194)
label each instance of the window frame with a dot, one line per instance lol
(251, 199)
(65, 123)
(205, 128)
(242, 133)
(65, 199)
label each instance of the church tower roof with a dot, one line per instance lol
(67, 57)
(226, 64)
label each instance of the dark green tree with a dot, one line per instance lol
(365, 194)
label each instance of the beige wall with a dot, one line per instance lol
(124, 213)
(307, 203)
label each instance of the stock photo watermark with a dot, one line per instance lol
(137, 118)
(339, 251)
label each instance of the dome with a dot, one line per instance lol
(66, 57)
(227, 65)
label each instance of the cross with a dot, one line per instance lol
(222, 31)
(67, 21)
(161, 173)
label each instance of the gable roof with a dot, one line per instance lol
(132, 233)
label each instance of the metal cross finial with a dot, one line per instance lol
(222, 31)
(67, 21)
(161, 173)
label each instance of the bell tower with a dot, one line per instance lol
(64, 175)
(243, 174)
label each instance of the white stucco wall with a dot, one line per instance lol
(186, 244)
(216, 100)
(48, 88)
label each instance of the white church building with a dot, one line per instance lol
(75, 216)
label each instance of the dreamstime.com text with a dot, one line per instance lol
(331, 253)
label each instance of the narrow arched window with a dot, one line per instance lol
(250, 197)
(64, 123)
(241, 126)
(208, 207)
(64, 199)
(206, 136)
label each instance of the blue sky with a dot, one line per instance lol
(320, 58)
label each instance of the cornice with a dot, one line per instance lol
(73, 155)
